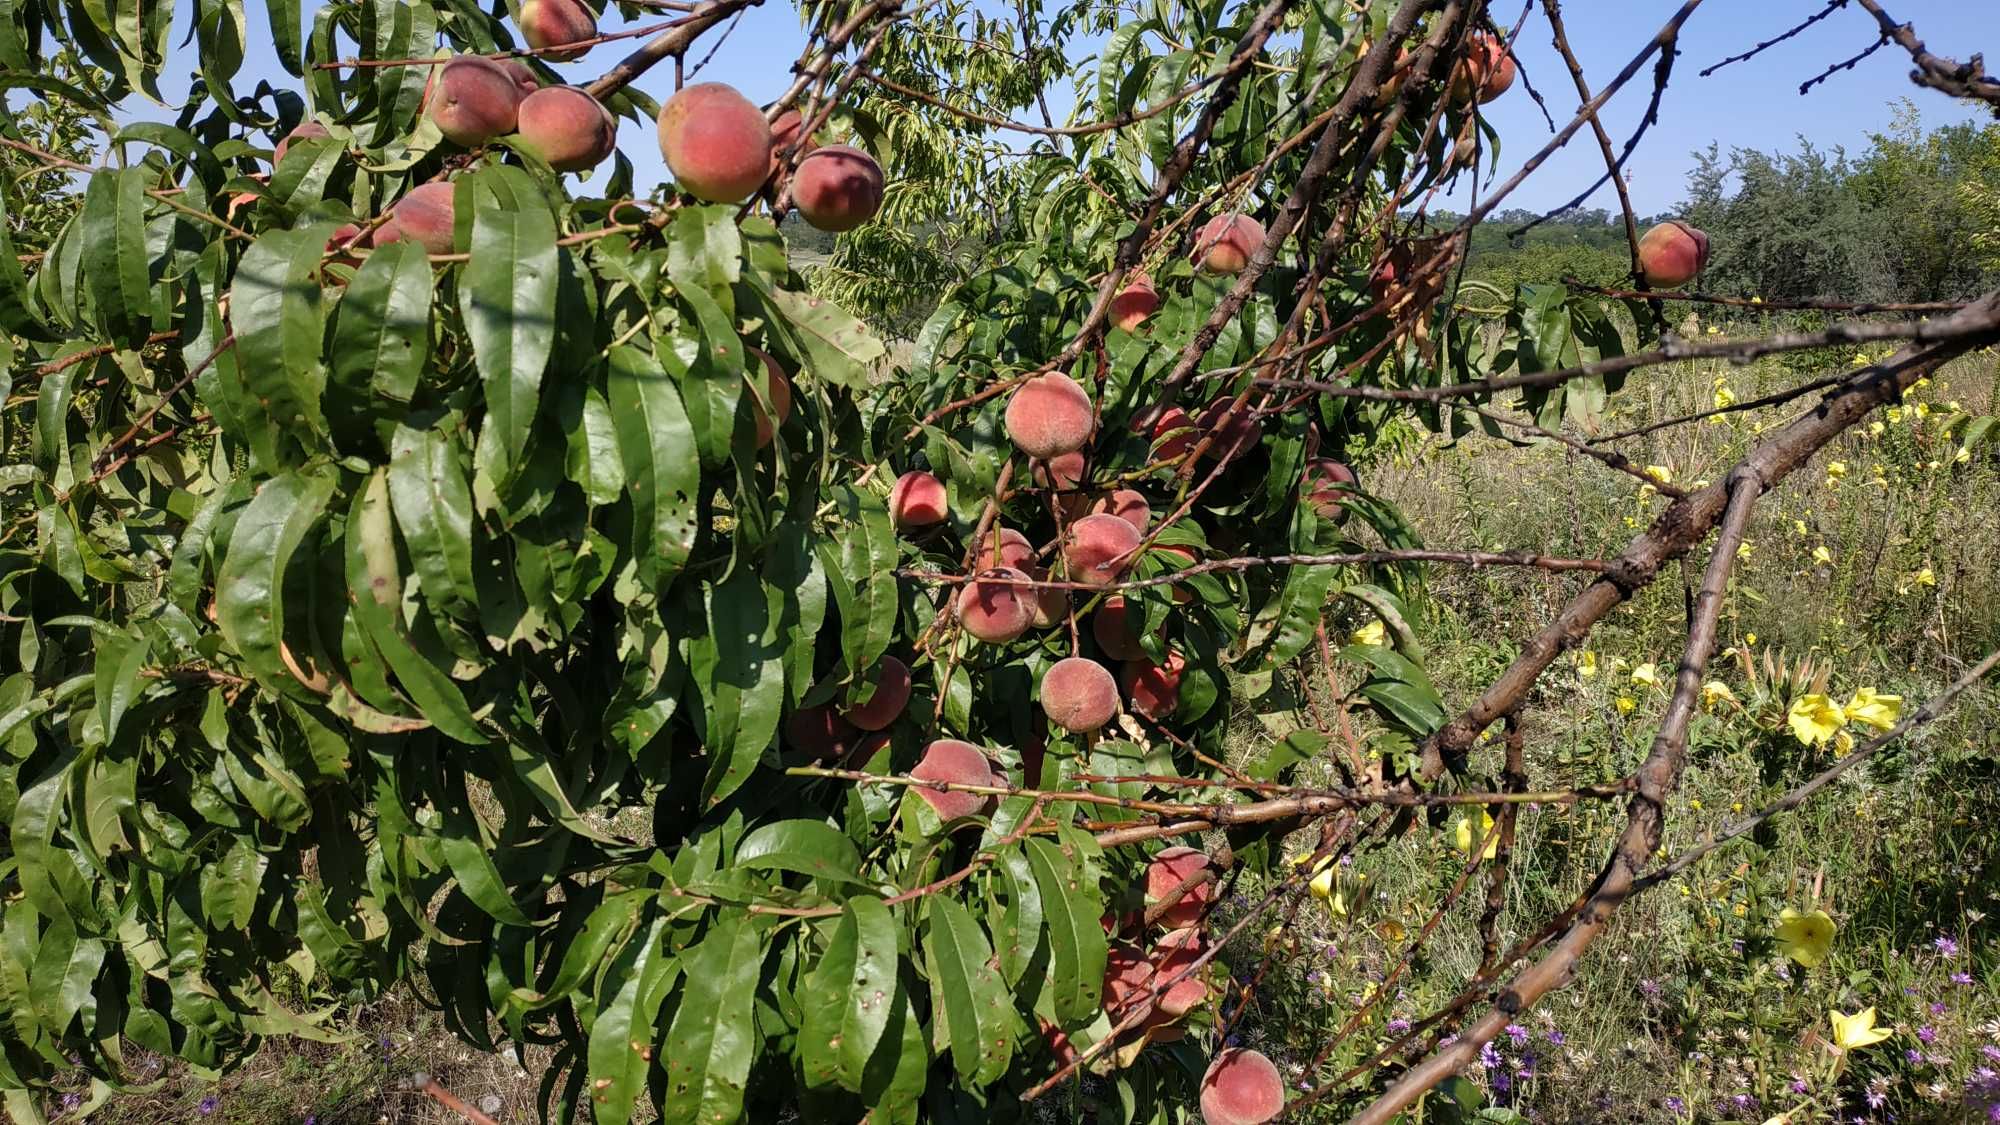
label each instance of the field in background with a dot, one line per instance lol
(1876, 569)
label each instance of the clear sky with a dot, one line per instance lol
(1751, 105)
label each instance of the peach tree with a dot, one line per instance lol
(433, 558)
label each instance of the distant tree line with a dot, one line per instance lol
(1913, 217)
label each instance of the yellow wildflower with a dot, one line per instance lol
(1851, 1033)
(1799, 527)
(1875, 429)
(1465, 837)
(1926, 577)
(1586, 664)
(1744, 549)
(1873, 709)
(1626, 704)
(1836, 469)
(1814, 719)
(1749, 638)
(1724, 397)
(1369, 634)
(1647, 673)
(1843, 744)
(1963, 455)
(1822, 556)
(1804, 938)
(1894, 414)
(1716, 692)
(1660, 473)
(1922, 410)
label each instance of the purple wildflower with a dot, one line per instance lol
(207, 1105)
(1991, 1052)
(1501, 1082)
(1799, 1087)
(1939, 1008)
(1517, 1033)
(71, 1100)
(1233, 1041)
(1675, 1105)
(1649, 988)
(1876, 1098)
(1993, 1112)
(1927, 1035)
(1557, 1038)
(1743, 1101)
(1312, 977)
(1961, 978)
(1489, 1057)
(1914, 1057)
(1945, 946)
(1399, 1026)
(1527, 1067)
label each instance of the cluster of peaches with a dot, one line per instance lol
(718, 144)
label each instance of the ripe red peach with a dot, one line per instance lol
(473, 100)
(837, 188)
(994, 608)
(345, 237)
(957, 763)
(777, 391)
(1168, 870)
(1242, 1087)
(1064, 471)
(1058, 1042)
(1671, 254)
(424, 216)
(524, 75)
(1486, 71)
(1151, 689)
(1097, 548)
(819, 732)
(1323, 486)
(558, 23)
(716, 142)
(1127, 505)
(1006, 547)
(311, 130)
(1079, 695)
(567, 128)
(1227, 243)
(1232, 429)
(1050, 415)
(917, 500)
(1172, 431)
(784, 131)
(1114, 626)
(1138, 300)
(1174, 954)
(892, 694)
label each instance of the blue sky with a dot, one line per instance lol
(1752, 105)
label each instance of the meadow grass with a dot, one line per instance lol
(1877, 567)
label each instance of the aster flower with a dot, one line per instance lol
(1945, 945)
(207, 1105)
(1517, 1033)
(1489, 1056)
